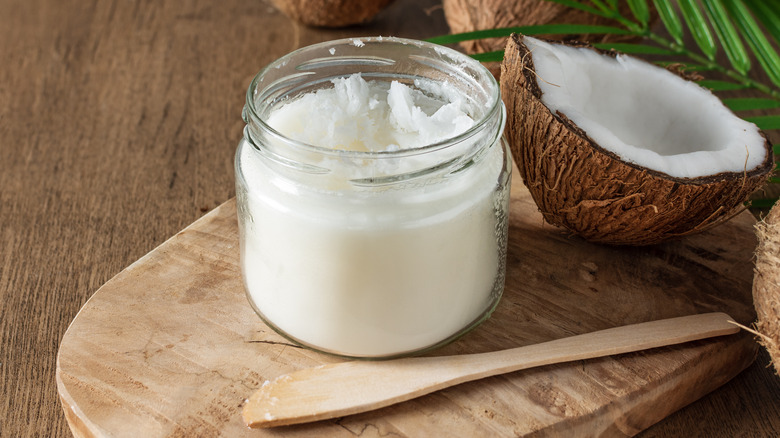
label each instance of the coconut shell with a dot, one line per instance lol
(766, 284)
(589, 190)
(471, 15)
(331, 13)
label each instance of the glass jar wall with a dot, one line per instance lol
(373, 253)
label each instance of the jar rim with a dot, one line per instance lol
(492, 85)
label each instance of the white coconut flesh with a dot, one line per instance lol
(645, 114)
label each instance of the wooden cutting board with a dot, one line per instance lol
(170, 346)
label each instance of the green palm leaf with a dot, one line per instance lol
(671, 20)
(716, 85)
(727, 25)
(577, 5)
(765, 53)
(604, 7)
(766, 123)
(768, 12)
(496, 56)
(688, 67)
(750, 103)
(529, 30)
(698, 26)
(761, 203)
(635, 49)
(727, 35)
(640, 10)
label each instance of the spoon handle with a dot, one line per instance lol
(347, 388)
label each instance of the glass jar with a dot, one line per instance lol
(373, 254)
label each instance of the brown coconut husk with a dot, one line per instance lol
(766, 285)
(579, 185)
(331, 13)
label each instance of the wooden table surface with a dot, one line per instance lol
(118, 124)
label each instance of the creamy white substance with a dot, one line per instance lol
(358, 115)
(650, 117)
(386, 272)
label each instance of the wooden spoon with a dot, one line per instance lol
(347, 388)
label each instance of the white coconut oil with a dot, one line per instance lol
(373, 213)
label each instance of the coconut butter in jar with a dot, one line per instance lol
(373, 188)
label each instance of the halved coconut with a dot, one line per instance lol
(621, 151)
(331, 13)
(766, 284)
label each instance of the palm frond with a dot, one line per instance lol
(577, 5)
(670, 19)
(750, 103)
(636, 49)
(551, 29)
(730, 26)
(768, 13)
(716, 85)
(698, 26)
(641, 11)
(727, 35)
(761, 203)
(766, 123)
(762, 49)
(687, 67)
(496, 56)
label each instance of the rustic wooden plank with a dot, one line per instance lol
(171, 346)
(95, 171)
(118, 124)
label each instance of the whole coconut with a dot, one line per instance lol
(621, 151)
(331, 13)
(766, 284)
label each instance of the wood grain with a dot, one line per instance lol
(170, 346)
(352, 387)
(118, 121)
